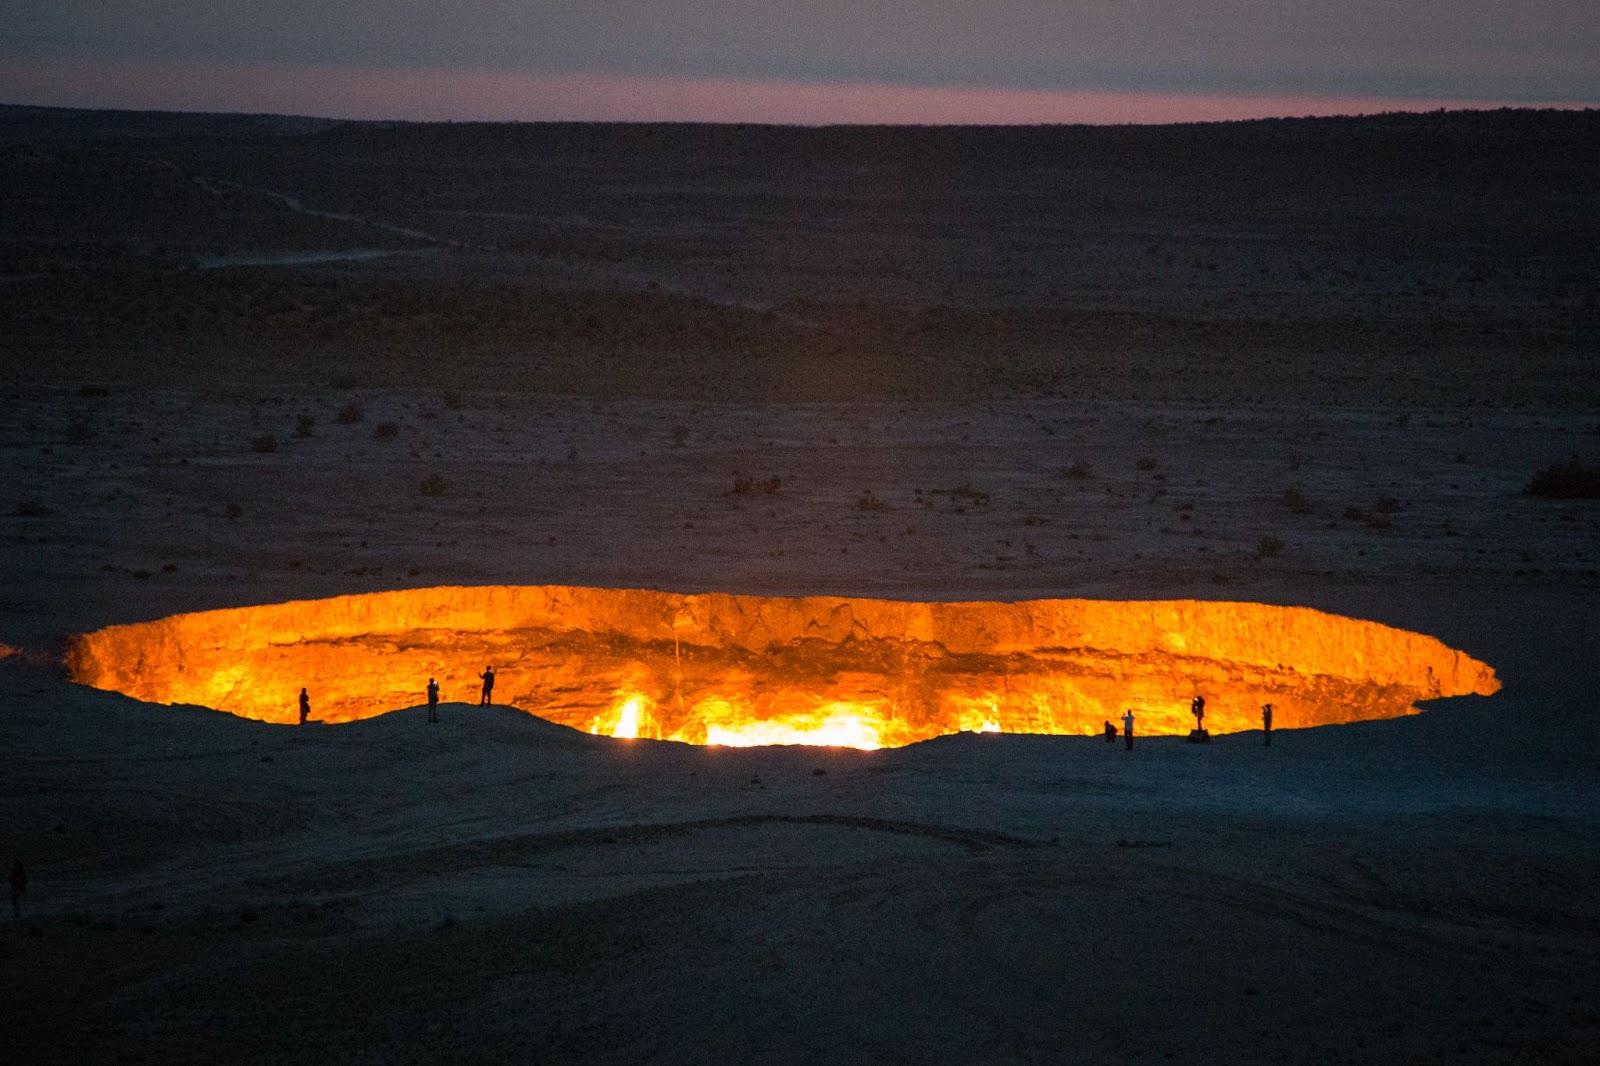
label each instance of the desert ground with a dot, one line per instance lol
(248, 360)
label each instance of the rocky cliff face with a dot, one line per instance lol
(754, 669)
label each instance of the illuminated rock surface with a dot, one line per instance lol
(727, 669)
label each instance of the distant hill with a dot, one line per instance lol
(20, 123)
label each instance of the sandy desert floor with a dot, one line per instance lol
(245, 360)
(207, 887)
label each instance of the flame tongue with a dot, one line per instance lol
(718, 721)
(841, 727)
(744, 670)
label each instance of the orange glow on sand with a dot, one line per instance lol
(749, 670)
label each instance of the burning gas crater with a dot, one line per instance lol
(746, 670)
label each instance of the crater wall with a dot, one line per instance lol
(748, 669)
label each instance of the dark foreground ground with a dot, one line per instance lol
(496, 887)
(246, 360)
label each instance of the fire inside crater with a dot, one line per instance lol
(716, 668)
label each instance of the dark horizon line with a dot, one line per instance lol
(696, 123)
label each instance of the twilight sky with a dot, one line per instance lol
(800, 60)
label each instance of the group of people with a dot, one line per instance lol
(1197, 707)
(487, 677)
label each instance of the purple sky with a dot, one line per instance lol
(800, 60)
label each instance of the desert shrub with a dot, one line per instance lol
(1571, 480)
(1354, 514)
(432, 485)
(265, 443)
(744, 486)
(31, 507)
(1269, 547)
(680, 436)
(1145, 462)
(452, 401)
(303, 425)
(1387, 505)
(350, 413)
(91, 391)
(1078, 471)
(386, 429)
(1296, 501)
(345, 381)
(965, 492)
(868, 501)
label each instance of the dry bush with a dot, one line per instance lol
(967, 493)
(1078, 471)
(1296, 501)
(1145, 462)
(31, 507)
(870, 502)
(350, 413)
(1269, 547)
(303, 425)
(386, 429)
(1571, 480)
(264, 444)
(432, 485)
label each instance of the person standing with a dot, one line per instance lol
(19, 885)
(488, 685)
(1197, 707)
(1111, 733)
(1266, 725)
(1127, 727)
(305, 706)
(433, 700)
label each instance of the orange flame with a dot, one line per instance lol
(743, 670)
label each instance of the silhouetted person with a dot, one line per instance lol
(1266, 724)
(488, 685)
(433, 700)
(19, 885)
(305, 706)
(1111, 733)
(1127, 727)
(1197, 707)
